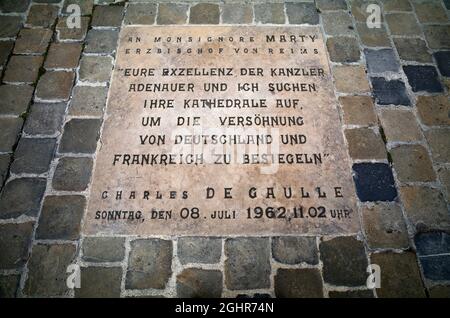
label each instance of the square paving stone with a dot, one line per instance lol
(302, 13)
(140, 13)
(199, 250)
(324, 5)
(72, 34)
(358, 110)
(11, 128)
(400, 275)
(6, 48)
(23, 69)
(172, 13)
(105, 16)
(380, 61)
(351, 294)
(101, 41)
(22, 197)
(14, 243)
(337, 23)
(237, 13)
(373, 37)
(374, 182)
(33, 155)
(444, 176)
(412, 164)
(295, 250)
(95, 69)
(55, 85)
(88, 101)
(80, 136)
(365, 143)
(396, 5)
(436, 267)
(45, 119)
(4, 166)
(103, 249)
(403, 24)
(425, 207)
(149, 264)
(350, 79)
(86, 6)
(269, 13)
(72, 174)
(344, 261)
(439, 141)
(430, 12)
(243, 254)
(423, 78)
(8, 6)
(10, 26)
(400, 125)
(390, 92)
(99, 282)
(412, 49)
(199, 283)
(63, 55)
(343, 49)
(47, 270)
(42, 15)
(9, 285)
(14, 99)
(384, 226)
(443, 62)
(204, 13)
(437, 36)
(61, 217)
(432, 243)
(298, 283)
(33, 41)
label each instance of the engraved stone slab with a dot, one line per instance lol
(221, 130)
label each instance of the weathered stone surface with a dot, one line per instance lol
(437, 36)
(4, 166)
(33, 155)
(351, 294)
(380, 61)
(412, 49)
(63, 55)
(358, 110)
(140, 13)
(374, 182)
(423, 78)
(99, 282)
(74, 34)
(55, 85)
(172, 13)
(149, 264)
(10, 130)
(61, 217)
(14, 99)
(436, 267)
(444, 176)
(298, 283)
(32, 41)
(6, 48)
(440, 291)
(7, 6)
(269, 13)
(14, 243)
(430, 12)
(365, 143)
(400, 125)
(384, 226)
(21, 197)
(72, 174)
(396, 5)
(47, 270)
(302, 13)
(389, 92)
(42, 15)
(248, 263)
(80, 136)
(88, 101)
(343, 49)
(95, 69)
(432, 243)
(337, 23)
(45, 119)
(199, 250)
(351, 79)
(439, 141)
(344, 261)
(412, 164)
(204, 13)
(101, 41)
(325, 5)
(86, 6)
(103, 249)
(403, 24)
(358, 9)
(295, 250)
(443, 62)
(9, 285)
(199, 283)
(373, 37)
(425, 207)
(401, 276)
(107, 16)
(235, 13)
(10, 26)
(23, 69)
(433, 110)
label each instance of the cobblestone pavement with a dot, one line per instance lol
(392, 85)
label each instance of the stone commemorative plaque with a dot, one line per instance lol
(221, 130)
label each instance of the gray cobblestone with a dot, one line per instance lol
(45, 119)
(72, 174)
(337, 23)
(80, 136)
(199, 283)
(72, 34)
(23, 69)
(199, 250)
(99, 282)
(33, 155)
(95, 68)
(42, 15)
(204, 13)
(107, 16)
(4, 165)
(302, 13)
(103, 249)
(55, 85)
(412, 49)
(172, 13)
(14, 99)
(140, 13)
(295, 250)
(88, 101)
(412, 163)
(101, 41)
(298, 283)
(343, 49)
(14, 6)
(86, 6)
(10, 26)
(14, 242)
(269, 13)
(9, 285)
(63, 55)
(237, 13)
(33, 41)
(6, 48)
(10, 130)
